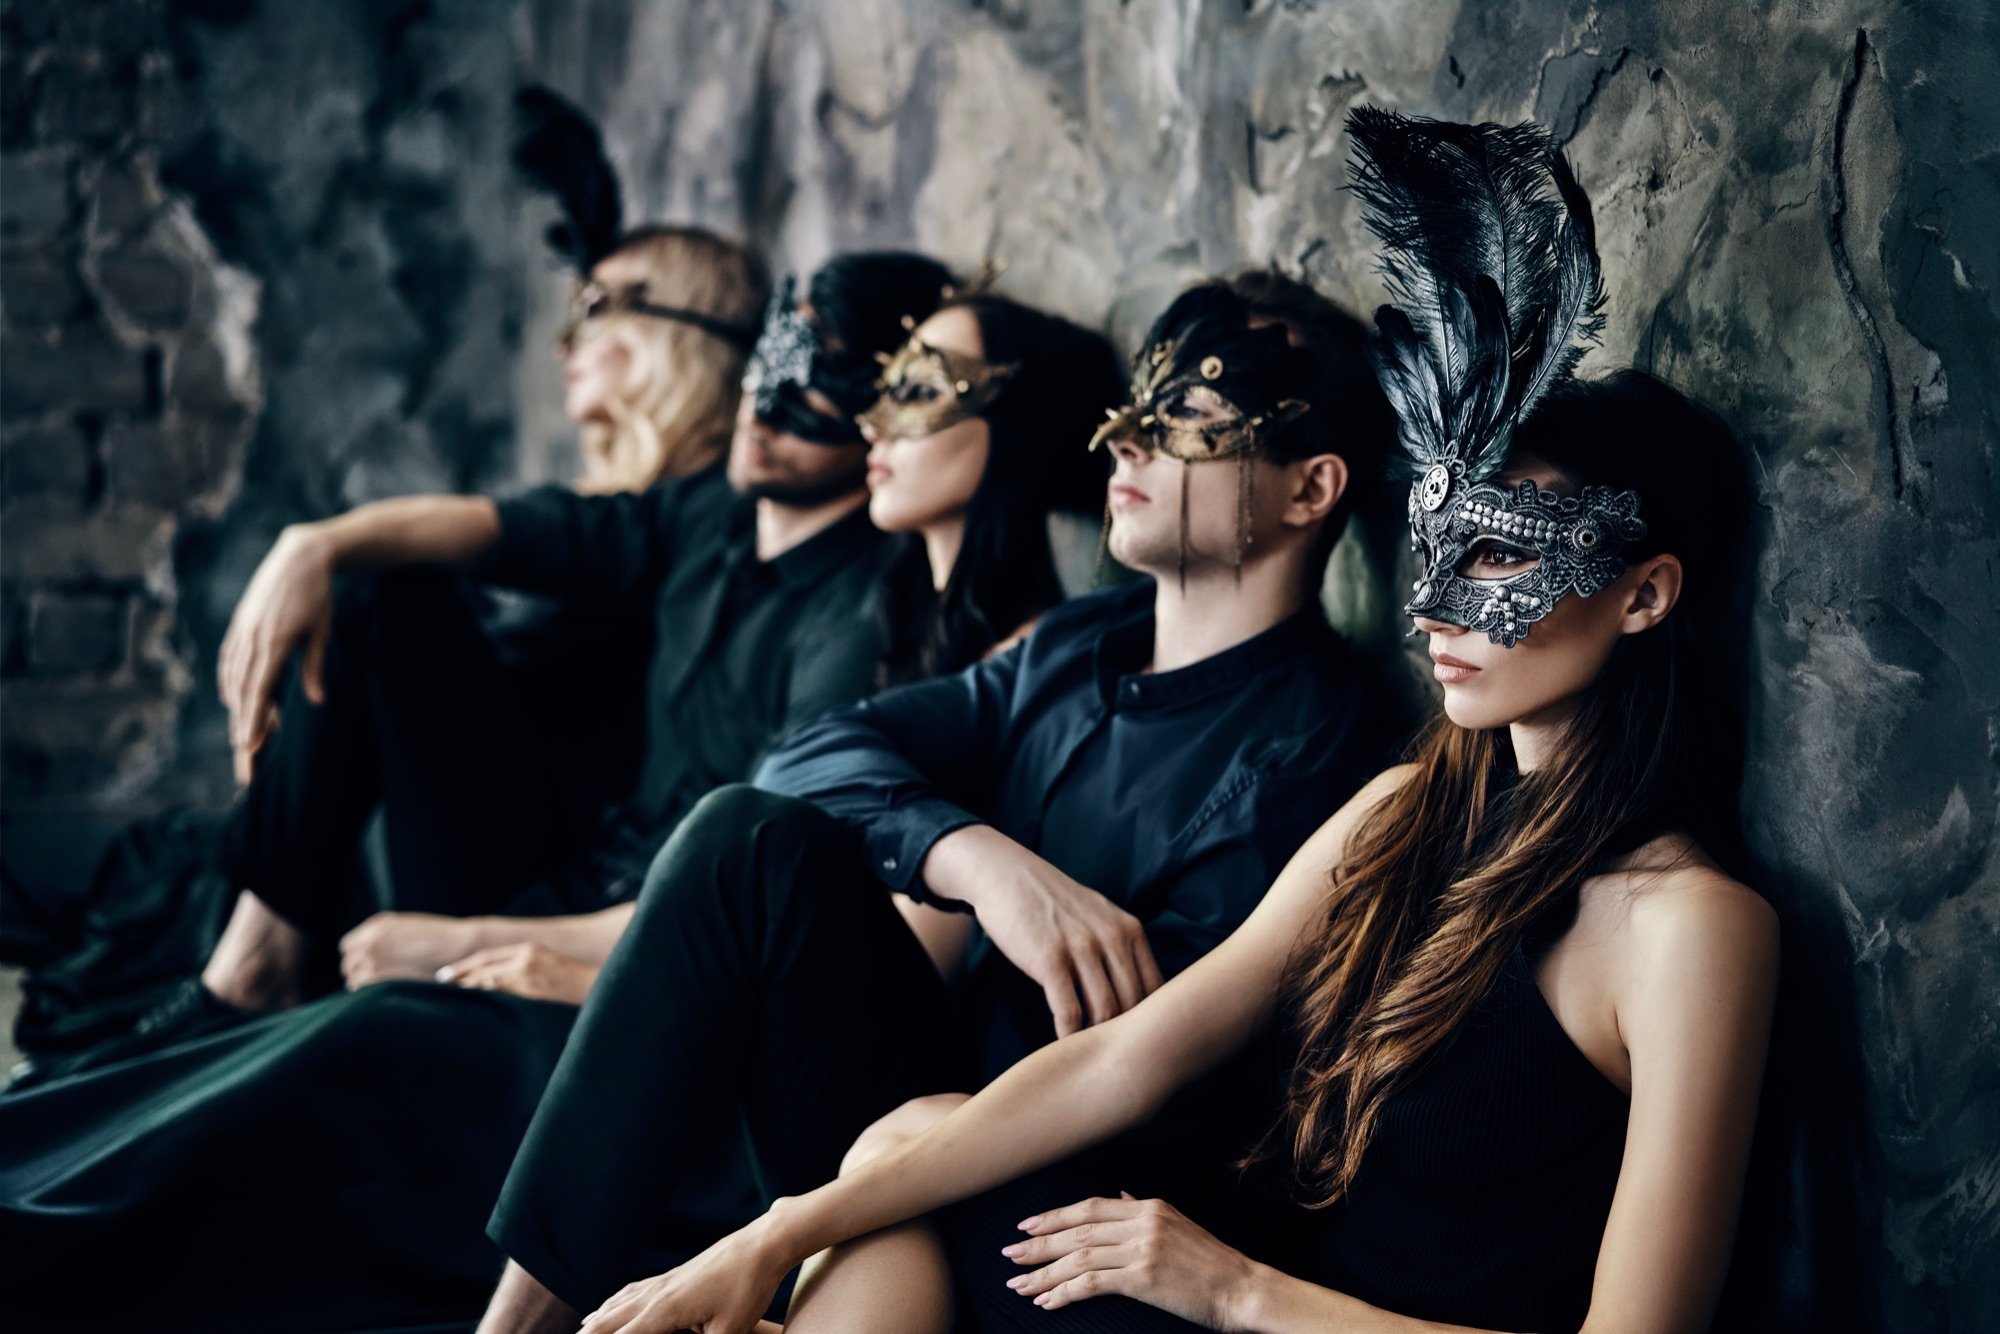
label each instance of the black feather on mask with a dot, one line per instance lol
(1490, 255)
(558, 149)
(1489, 252)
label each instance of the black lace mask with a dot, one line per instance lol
(1497, 561)
(791, 357)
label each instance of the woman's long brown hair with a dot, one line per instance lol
(1445, 876)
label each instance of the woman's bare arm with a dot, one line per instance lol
(1690, 976)
(1699, 975)
(585, 936)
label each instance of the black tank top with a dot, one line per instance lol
(1484, 1194)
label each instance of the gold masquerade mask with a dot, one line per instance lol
(926, 389)
(1177, 411)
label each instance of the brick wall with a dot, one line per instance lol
(128, 390)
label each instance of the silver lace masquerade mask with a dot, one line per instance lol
(1198, 397)
(926, 389)
(1497, 560)
(792, 356)
(1490, 256)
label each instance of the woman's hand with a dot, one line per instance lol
(524, 969)
(392, 946)
(287, 606)
(1143, 1249)
(724, 1290)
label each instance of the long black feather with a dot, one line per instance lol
(558, 149)
(1489, 251)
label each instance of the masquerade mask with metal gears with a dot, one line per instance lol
(791, 356)
(1194, 399)
(593, 301)
(1490, 255)
(925, 389)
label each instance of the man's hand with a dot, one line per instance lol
(1089, 955)
(524, 969)
(288, 605)
(398, 945)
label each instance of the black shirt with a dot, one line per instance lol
(1177, 795)
(742, 649)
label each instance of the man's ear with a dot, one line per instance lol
(1656, 587)
(1317, 484)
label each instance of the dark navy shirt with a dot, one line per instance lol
(1177, 795)
(742, 650)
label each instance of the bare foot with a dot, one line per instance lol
(520, 1305)
(257, 962)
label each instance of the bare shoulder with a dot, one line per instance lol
(1381, 787)
(1315, 860)
(1331, 837)
(1686, 919)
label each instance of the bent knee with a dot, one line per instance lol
(739, 826)
(738, 806)
(899, 1127)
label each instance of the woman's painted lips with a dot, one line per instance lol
(1451, 670)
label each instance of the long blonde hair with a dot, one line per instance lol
(673, 413)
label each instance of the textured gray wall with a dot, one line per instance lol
(1799, 205)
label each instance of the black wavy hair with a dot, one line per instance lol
(860, 300)
(1040, 426)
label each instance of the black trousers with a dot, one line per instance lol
(974, 1230)
(765, 1005)
(421, 720)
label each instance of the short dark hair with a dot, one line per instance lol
(1350, 415)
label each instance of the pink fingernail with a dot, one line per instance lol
(1028, 1224)
(1015, 1249)
(1042, 1300)
(1017, 1280)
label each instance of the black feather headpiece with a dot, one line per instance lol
(1490, 256)
(1491, 260)
(558, 149)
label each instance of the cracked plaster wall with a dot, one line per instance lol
(1799, 207)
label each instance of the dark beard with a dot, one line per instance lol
(811, 495)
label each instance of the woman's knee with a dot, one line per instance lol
(899, 1127)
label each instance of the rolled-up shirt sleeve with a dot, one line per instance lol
(906, 767)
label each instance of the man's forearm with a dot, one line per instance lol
(968, 860)
(408, 530)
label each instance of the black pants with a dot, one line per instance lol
(765, 1005)
(420, 719)
(974, 1230)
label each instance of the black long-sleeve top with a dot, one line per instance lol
(1177, 795)
(742, 650)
